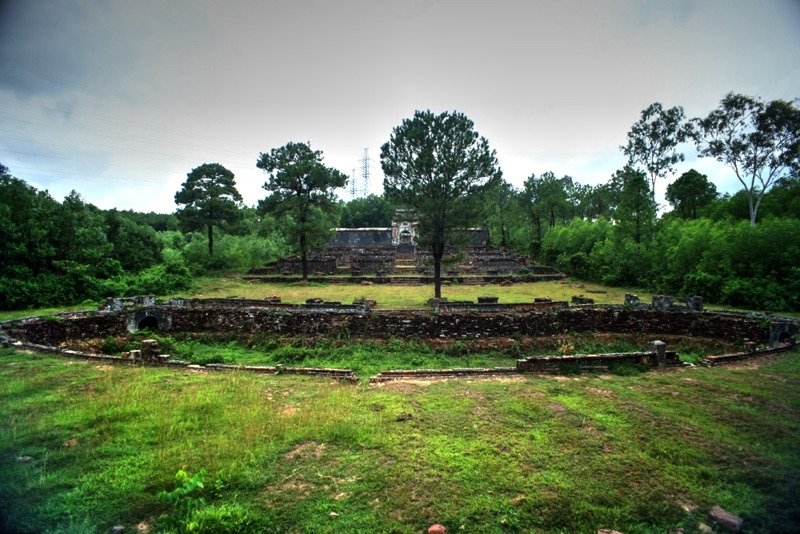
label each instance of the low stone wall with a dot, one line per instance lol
(57, 329)
(271, 303)
(267, 277)
(485, 307)
(149, 354)
(354, 321)
(345, 375)
(421, 374)
(554, 364)
(294, 265)
(750, 352)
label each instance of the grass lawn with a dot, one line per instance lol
(84, 447)
(407, 297)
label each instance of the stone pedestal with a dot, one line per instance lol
(660, 348)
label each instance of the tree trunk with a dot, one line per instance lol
(210, 239)
(754, 208)
(304, 256)
(438, 253)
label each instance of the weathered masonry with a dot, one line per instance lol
(356, 321)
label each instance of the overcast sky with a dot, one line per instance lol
(119, 99)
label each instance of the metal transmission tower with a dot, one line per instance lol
(359, 179)
(365, 161)
(353, 185)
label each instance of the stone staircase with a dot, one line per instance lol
(405, 263)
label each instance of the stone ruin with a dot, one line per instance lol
(148, 352)
(386, 261)
(393, 251)
(664, 302)
(119, 304)
(448, 322)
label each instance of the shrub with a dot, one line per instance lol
(708, 286)
(162, 279)
(224, 519)
(184, 501)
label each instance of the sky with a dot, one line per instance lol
(120, 99)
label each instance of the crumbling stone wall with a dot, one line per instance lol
(360, 237)
(495, 260)
(353, 321)
(293, 265)
(52, 331)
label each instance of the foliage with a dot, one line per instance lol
(653, 142)
(226, 518)
(184, 502)
(232, 253)
(725, 262)
(570, 247)
(505, 220)
(160, 222)
(690, 192)
(134, 246)
(301, 195)
(169, 276)
(70, 252)
(634, 209)
(372, 211)
(546, 201)
(210, 199)
(759, 141)
(440, 167)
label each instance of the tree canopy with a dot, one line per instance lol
(653, 141)
(689, 192)
(301, 193)
(759, 141)
(210, 198)
(372, 211)
(440, 167)
(634, 210)
(56, 253)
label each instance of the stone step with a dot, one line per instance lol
(406, 282)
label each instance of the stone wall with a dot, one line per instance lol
(495, 260)
(488, 306)
(317, 263)
(55, 330)
(553, 364)
(359, 323)
(360, 237)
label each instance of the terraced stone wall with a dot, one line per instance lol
(357, 323)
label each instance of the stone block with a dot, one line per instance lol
(725, 519)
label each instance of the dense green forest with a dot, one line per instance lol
(70, 251)
(611, 234)
(739, 250)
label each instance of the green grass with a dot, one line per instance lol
(638, 453)
(368, 358)
(7, 315)
(407, 297)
